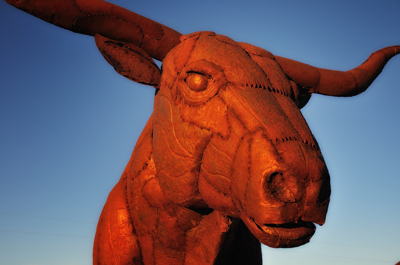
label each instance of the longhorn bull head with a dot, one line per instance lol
(227, 160)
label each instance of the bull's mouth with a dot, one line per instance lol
(283, 235)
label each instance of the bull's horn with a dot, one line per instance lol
(106, 19)
(337, 83)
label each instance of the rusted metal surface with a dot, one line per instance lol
(227, 160)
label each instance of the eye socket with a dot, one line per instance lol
(196, 81)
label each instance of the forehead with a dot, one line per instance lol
(238, 67)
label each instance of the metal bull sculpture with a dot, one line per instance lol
(227, 160)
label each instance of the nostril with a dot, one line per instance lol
(274, 174)
(273, 184)
(279, 187)
(274, 178)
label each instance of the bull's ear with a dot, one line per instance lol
(129, 61)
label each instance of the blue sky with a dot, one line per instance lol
(69, 124)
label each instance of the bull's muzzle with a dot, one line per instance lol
(279, 201)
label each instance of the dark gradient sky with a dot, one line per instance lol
(69, 124)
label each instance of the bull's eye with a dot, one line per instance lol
(197, 81)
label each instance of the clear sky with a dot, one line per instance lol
(69, 124)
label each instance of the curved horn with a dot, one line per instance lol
(337, 83)
(103, 18)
